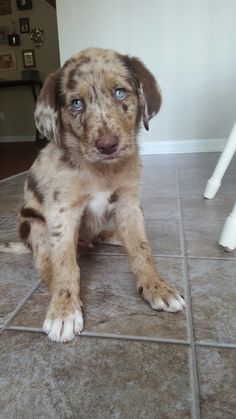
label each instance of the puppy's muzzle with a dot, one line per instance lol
(107, 144)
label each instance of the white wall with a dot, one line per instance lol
(189, 45)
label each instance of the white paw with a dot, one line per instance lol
(64, 330)
(173, 304)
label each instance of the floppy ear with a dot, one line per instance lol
(147, 88)
(47, 108)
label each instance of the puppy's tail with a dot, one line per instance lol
(14, 247)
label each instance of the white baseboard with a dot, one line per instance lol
(13, 176)
(182, 146)
(17, 138)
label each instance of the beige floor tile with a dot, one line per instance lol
(216, 370)
(112, 303)
(93, 378)
(202, 236)
(11, 196)
(9, 230)
(213, 295)
(164, 237)
(17, 278)
(209, 209)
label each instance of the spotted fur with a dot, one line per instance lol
(87, 174)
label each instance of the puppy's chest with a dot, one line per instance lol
(102, 202)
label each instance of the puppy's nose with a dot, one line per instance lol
(107, 144)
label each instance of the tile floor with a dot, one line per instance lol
(130, 361)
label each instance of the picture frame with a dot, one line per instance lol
(7, 61)
(24, 25)
(5, 7)
(14, 39)
(28, 57)
(24, 4)
(4, 31)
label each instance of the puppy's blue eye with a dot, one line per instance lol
(120, 94)
(77, 104)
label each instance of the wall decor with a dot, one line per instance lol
(37, 36)
(4, 30)
(7, 61)
(5, 7)
(28, 58)
(24, 25)
(24, 4)
(14, 39)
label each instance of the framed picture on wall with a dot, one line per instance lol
(4, 30)
(24, 4)
(7, 61)
(28, 58)
(24, 25)
(5, 7)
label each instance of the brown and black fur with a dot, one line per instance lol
(88, 173)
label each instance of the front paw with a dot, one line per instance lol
(63, 325)
(162, 296)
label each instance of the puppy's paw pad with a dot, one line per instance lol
(108, 237)
(85, 244)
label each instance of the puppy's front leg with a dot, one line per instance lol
(130, 225)
(64, 317)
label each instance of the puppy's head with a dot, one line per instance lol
(92, 107)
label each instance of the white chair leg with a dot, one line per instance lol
(228, 235)
(214, 182)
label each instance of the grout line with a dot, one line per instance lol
(156, 255)
(206, 218)
(193, 366)
(13, 176)
(3, 220)
(233, 259)
(206, 343)
(223, 345)
(25, 329)
(107, 336)
(7, 218)
(19, 306)
(168, 256)
(161, 219)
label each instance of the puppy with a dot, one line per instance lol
(90, 110)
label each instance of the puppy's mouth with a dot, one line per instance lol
(109, 157)
(121, 153)
(118, 154)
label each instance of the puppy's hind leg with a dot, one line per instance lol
(42, 253)
(109, 237)
(35, 235)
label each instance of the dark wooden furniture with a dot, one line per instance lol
(35, 86)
